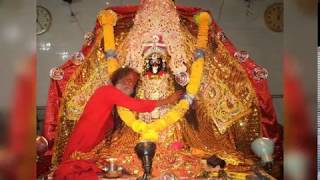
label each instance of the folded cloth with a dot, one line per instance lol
(77, 170)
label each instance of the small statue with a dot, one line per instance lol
(155, 64)
(155, 54)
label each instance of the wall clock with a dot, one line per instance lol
(44, 20)
(273, 17)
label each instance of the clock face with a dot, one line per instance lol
(44, 20)
(273, 17)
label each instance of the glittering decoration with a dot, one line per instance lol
(156, 18)
(168, 176)
(45, 46)
(154, 46)
(155, 87)
(56, 74)
(41, 145)
(64, 55)
(212, 35)
(241, 55)
(89, 38)
(78, 58)
(221, 36)
(155, 54)
(150, 132)
(199, 53)
(110, 54)
(180, 69)
(182, 78)
(64, 131)
(260, 73)
(189, 98)
(226, 107)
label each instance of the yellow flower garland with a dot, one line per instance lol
(108, 19)
(150, 132)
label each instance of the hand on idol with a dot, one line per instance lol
(175, 96)
(172, 98)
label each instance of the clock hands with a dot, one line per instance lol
(39, 24)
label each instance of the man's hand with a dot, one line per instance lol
(175, 96)
(171, 99)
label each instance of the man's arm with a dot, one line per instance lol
(140, 105)
(121, 99)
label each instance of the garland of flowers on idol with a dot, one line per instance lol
(150, 131)
(108, 19)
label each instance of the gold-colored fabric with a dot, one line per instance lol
(226, 108)
(63, 134)
(155, 18)
(226, 113)
(226, 94)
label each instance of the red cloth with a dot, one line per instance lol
(77, 170)
(21, 135)
(299, 130)
(55, 95)
(96, 119)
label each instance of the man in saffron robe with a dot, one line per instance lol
(97, 120)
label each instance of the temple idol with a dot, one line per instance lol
(226, 107)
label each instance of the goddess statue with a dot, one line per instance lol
(158, 39)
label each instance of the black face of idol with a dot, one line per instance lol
(155, 64)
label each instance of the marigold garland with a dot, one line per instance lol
(108, 19)
(112, 65)
(150, 132)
